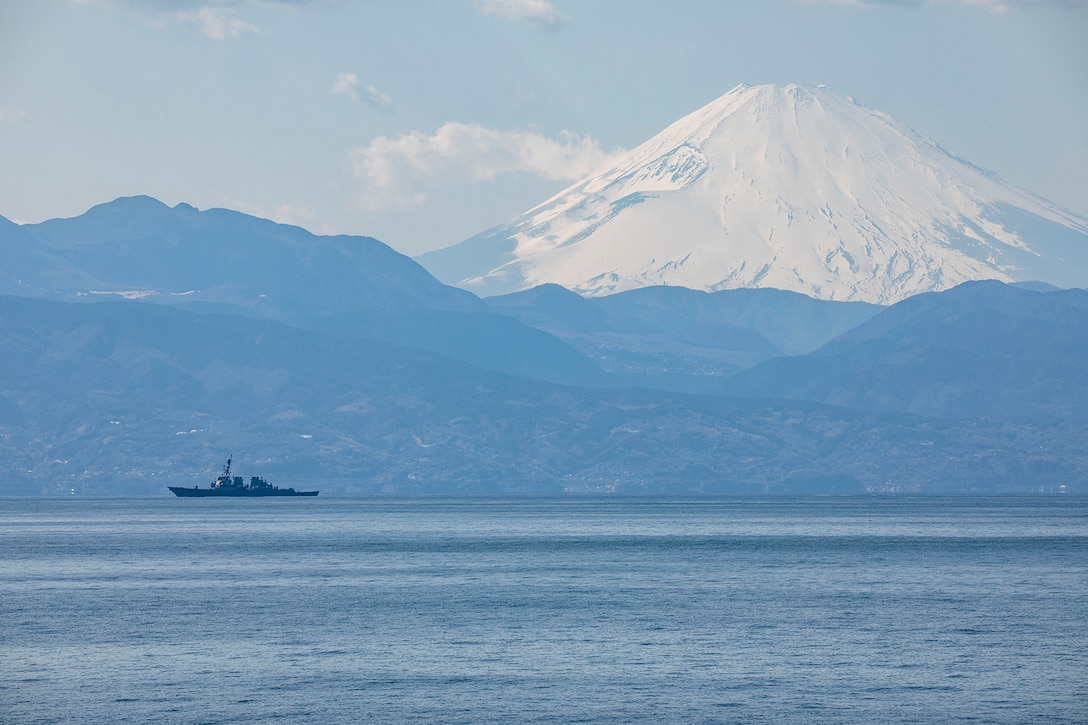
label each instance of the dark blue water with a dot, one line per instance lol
(544, 611)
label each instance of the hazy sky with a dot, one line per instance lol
(423, 122)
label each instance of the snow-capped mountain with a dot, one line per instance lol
(789, 187)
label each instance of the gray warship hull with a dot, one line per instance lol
(236, 492)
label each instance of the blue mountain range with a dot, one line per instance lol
(139, 342)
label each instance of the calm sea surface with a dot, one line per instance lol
(596, 610)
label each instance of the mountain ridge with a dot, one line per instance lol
(981, 350)
(224, 261)
(674, 338)
(124, 397)
(140, 247)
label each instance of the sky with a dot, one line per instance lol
(424, 122)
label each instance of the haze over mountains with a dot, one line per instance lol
(128, 397)
(338, 362)
(674, 338)
(784, 187)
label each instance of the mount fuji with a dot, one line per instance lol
(788, 187)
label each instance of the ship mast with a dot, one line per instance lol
(226, 468)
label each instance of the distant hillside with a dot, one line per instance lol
(224, 261)
(983, 349)
(679, 339)
(123, 397)
(218, 259)
(486, 340)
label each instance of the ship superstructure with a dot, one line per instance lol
(226, 484)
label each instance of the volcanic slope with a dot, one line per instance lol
(788, 187)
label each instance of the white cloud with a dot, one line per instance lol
(216, 19)
(376, 98)
(536, 12)
(181, 5)
(1004, 6)
(348, 85)
(299, 216)
(995, 6)
(8, 115)
(399, 172)
(217, 23)
(292, 214)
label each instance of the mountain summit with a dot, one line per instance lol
(789, 187)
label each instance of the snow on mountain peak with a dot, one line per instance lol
(779, 186)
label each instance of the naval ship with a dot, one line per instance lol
(227, 485)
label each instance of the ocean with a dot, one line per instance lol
(544, 610)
